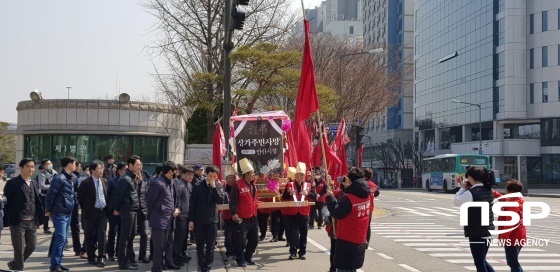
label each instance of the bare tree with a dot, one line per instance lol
(189, 47)
(417, 157)
(366, 83)
(396, 148)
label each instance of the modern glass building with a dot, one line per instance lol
(92, 129)
(503, 56)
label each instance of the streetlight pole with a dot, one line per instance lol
(68, 88)
(479, 121)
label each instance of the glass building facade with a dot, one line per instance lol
(89, 148)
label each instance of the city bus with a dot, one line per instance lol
(444, 172)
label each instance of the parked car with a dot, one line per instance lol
(10, 170)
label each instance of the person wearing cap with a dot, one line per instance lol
(198, 173)
(243, 207)
(298, 217)
(110, 170)
(229, 225)
(352, 213)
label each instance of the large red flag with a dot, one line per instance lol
(307, 101)
(218, 148)
(290, 156)
(341, 140)
(329, 153)
(360, 156)
(302, 140)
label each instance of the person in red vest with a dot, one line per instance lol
(243, 207)
(352, 213)
(298, 217)
(290, 176)
(320, 189)
(374, 191)
(229, 225)
(330, 225)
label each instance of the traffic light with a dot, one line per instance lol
(239, 16)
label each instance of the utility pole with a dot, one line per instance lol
(68, 88)
(228, 46)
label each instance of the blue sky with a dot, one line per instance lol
(95, 47)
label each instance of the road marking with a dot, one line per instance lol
(435, 212)
(458, 239)
(538, 261)
(494, 255)
(404, 223)
(415, 212)
(385, 256)
(528, 268)
(447, 209)
(440, 249)
(370, 248)
(324, 249)
(409, 268)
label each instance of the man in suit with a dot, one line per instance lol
(23, 213)
(59, 205)
(203, 216)
(162, 206)
(127, 207)
(184, 191)
(92, 196)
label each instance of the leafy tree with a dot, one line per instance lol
(7, 144)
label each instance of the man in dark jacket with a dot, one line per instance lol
(142, 220)
(110, 170)
(59, 206)
(23, 213)
(114, 221)
(198, 173)
(44, 179)
(352, 213)
(127, 207)
(92, 195)
(163, 205)
(203, 216)
(183, 187)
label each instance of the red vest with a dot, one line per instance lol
(295, 210)
(372, 188)
(353, 227)
(319, 189)
(247, 206)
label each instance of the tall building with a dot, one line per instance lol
(390, 24)
(337, 17)
(502, 57)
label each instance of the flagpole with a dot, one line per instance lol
(303, 11)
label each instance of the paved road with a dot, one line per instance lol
(413, 231)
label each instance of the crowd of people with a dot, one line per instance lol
(179, 206)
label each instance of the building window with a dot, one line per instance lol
(531, 93)
(531, 23)
(501, 31)
(545, 56)
(559, 53)
(545, 92)
(532, 58)
(550, 132)
(544, 21)
(558, 18)
(558, 90)
(501, 5)
(351, 30)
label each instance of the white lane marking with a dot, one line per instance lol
(409, 268)
(436, 212)
(324, 249)
(538, 261)
(528, 268)
(405, 223)
(493, 255)
(426, 236)
(370, 248)
(408, 228)
(385, 256)
(414, 212)
(447, 209)
(458, 239)
(440, 249)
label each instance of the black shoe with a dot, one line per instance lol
(287, 244)
(172, 267)
(250, 262)
(292, 256)
(151, 257)
(144, 260)
(274, 239)
(58, 269)
(92, 262)
(76, 254)
(112, 258)
(281, 239)
(127, 266)
(178, 263)
(133, 264)
(319, 227)
(100, 263)
(186, 259)
(47, 232)
(261, 238)
(64, 268)
(241, 264)
(302, 257)
(11, 265)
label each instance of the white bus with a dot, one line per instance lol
(444, 172)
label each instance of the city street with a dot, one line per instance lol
(412, 231)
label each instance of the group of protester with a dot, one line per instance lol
(477, 187)
(177, 201)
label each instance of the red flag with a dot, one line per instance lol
(360, 156)
(302, 140)
(329, 153)
(290, 156)
(218, 148)
(307, 101)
